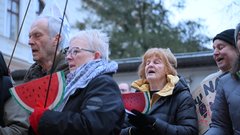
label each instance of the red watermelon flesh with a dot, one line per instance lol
(139, 101)
(34, 92)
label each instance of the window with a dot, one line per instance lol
(13, 18)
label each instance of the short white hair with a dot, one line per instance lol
(97, 41)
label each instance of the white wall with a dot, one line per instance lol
(2, 12)
(22, 57)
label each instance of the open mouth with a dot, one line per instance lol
(219, 59)
(151, 72)
(71, 66)
(34, 50)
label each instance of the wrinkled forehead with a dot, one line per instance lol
(152, 54)
(39, 25)
(219, 44)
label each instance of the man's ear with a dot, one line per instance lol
(97, 55)
(56, 38)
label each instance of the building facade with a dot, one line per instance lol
(11, 15)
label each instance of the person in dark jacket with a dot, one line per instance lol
(172, 107)
(13, 119)
(92, 103)
(225, 110)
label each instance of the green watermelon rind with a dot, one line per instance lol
(17, 99)
(147, 104)
(62, 85)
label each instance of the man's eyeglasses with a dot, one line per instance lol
(75, 50)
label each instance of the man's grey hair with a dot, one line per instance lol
(97, 41)
(54, 25)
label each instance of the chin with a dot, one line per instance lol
(151, 78)
(35, 59)
(221, 66)
(72, 69)
(224, 69)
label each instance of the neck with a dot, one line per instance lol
(157, 84)
(47, 63)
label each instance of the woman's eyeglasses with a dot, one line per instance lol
(75, 50)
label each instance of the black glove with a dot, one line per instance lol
(140, 120)
(141, 131)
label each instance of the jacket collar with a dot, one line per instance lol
(143, 85)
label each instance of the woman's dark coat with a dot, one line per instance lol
(226, 110)
(95, 110)
(174, 114)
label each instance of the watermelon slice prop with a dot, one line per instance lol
(138, 100)
(34, 92)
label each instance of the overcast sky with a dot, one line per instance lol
(216, 15)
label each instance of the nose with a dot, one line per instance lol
(150, 64)
(215, 51)
(30, 41)
(69, 57)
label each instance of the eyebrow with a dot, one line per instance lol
(88, 50)
(92, 51)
